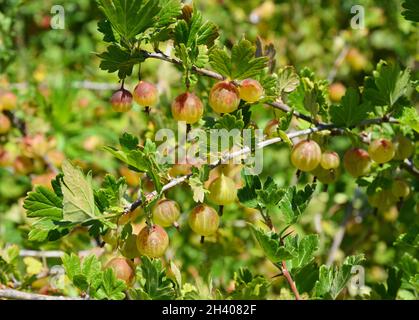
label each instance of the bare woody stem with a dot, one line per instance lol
(21, 295)
(290, 281)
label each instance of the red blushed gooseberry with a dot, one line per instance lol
(8, 101)
(330, 160)
(187, 107)
(250, 90)
(357, 162)
(123, 269)
(224, 97)
(404, 147)
(152, 241)
(336, 91)
(145, 94)
(222, 190)
(381, 150)
(306, 155)
(166, 212)
(121, 100)
(204, 220)
(5, 124)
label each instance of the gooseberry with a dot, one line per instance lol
(129, 247)
(121, 100)
(224, 97)
(381, 150)
(357, 162)
(330, 160)
(5, 124)
(123, 268)
(271, 128)
(400, 189)
(166, 212)
(187, 107)
(145, 94)
(326, 176)
(250, 90)
(204, 220)
(8, 101)
(222, 190)
(404, 147)
(336, 91)
(152, 241)
(306, 155)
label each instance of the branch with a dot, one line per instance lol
(20, 295)
(290, 281)
(410, 167)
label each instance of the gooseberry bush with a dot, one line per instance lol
(360, 139)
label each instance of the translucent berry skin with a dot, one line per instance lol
(8, 101)
(187, 107)
(330, 160)
(165, 212)
(224, 97)
(146, 94)
(152, 241)
(326, 176)
(306, 155)
(129, 247)
(250, 90)
(121, 100)
(357, 162)
(404, 147)
(222, 190)
(381, 150)
(271, 128)
(400, 189)
(382, 200)
(5, 124)
(111, 237)
(204, 220)
(123, 268)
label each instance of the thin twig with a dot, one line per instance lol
(21, 295)
(290, 281)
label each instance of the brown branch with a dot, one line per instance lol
(290, 281)
(21, 295)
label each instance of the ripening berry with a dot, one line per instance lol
(23, 165)
(222, 190)
(271, 128)
(357, 162)
(123, 269)
(250, 90)
(326, 176)
(356, 59)
(224, 97)
(129, 247)
(204, 220)
(187, 107)
(404, 147)
(145, 94)
(336, 91)
(306, 155)
(152, 241)
(382, 200)
(121, 100)
(5, 124)
(166, 212)
(330, 160)
(381, 150)
(5, 158)
(400, 189)
(8, 101)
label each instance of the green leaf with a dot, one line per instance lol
(128, 142)
(170, 10)
(271, 246)
(43, 203)
(120, 59)
(156, 284)
(249, 287)
(332, 279)
(350, 112)
(230, 122)
(294, 202)
(111, 287)
(303, 250)
(410, 118)
(288, 79)
(71, 264)
(105, 27)
(241, 65)
(78, 202)
(247, 195)
(388, 84)
(130, 18)
(412, 10)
